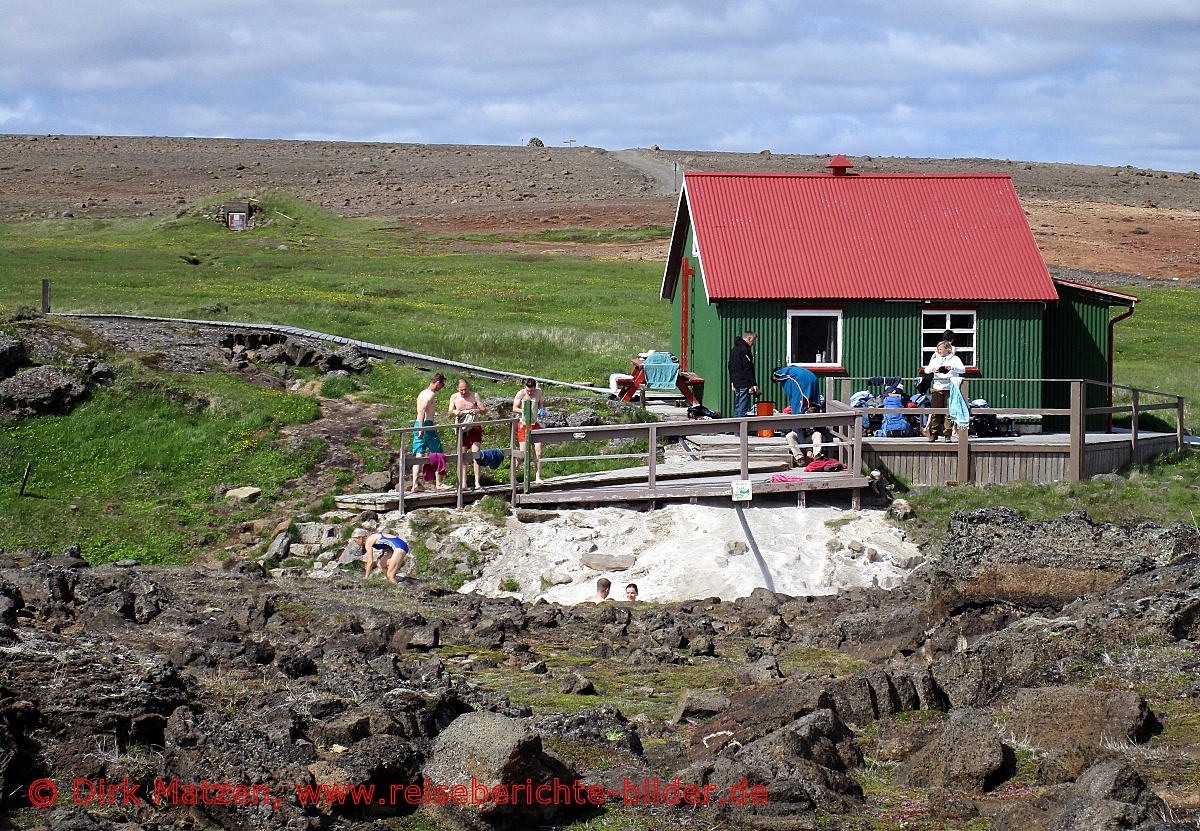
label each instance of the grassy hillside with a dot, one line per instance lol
(1157, 348)
(569, 318)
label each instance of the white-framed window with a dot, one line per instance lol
(814, 337)
(935, 323)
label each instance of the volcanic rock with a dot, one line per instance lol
(41, 390)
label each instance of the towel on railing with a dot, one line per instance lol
(959, 413)
(491, 458)
(435, 465)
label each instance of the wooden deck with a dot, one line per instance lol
(1039, 458)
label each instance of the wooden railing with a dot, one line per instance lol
(844, 427)
(839, 389)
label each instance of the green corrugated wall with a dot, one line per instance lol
(879, 338)
(1076, 346)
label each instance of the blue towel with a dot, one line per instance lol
(959, 414)
(491, 459)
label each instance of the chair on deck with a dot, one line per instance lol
(662, 373)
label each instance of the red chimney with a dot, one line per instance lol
(840, 164)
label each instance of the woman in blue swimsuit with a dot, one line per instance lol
(386, 551)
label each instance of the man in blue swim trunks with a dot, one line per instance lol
(385, 551)
(427, 441)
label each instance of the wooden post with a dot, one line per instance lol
(459, 475)
(1075, 463)
(745, 450)
(45, 297)
(403, 471)
(856, 455)
(1133, 429)
(964, 457)
(1178, 422)
(512, 463)
(25, 478)
(828, 391)
(527, 420)
(653, 454)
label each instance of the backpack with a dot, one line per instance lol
(894, 421)
(824, 466)
(699, 411)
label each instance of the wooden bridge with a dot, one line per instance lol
(694, 460)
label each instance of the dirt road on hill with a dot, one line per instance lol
(1108, 219)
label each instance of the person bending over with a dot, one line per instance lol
(383, 551)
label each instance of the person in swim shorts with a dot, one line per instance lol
(427, 441)
(466, 407)
(529, 392)
(383, 551)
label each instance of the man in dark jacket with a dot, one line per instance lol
(741, 374)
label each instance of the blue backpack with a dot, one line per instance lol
(897, 422)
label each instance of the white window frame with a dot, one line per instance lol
(793, 313)
(927, 352)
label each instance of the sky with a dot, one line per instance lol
(1094, 81)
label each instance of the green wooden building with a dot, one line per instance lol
(859, 275)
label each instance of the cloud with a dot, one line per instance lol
(1101, 81)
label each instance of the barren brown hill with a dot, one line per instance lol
(1105, 219)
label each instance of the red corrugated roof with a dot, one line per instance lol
(815, 236)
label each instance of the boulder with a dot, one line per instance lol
(1049, 716)
(575, 684)
(535, 142)
(1067, 763)
(318, 533)
(279, 548)
(609, 562)
(555, 578)
(901, 509)
(493, 750)
(246, 494)
(896, 740)
(350, 358)
(12, 355)
(700, 704)
(967, 756)
(40, 391)
(377, 482)
(583, 418)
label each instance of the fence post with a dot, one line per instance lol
(1133, 430)
(856, 454)
(45, 297)
(828, 391)
(745, 449)
(1075, 463)
(512, 462)
(1179, 422)
(964, 457)
(400, 475)
(460, 472)
(653, 454)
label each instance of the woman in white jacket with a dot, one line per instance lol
(943, 366)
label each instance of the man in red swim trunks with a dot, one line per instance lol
(466, 407)
(530, 392)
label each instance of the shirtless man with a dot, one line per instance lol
(466, 405)
(427, 441)
(383, 551)
(530, 392)
(603, 587)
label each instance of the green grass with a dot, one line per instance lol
(1156, 348)
(138, 462)
(567, 318)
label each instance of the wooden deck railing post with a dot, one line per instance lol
(1075, 463)
(653, 454)
(512, 463)
(1178, 422)
(828, 390)
(744, 455)
(461, 469)
(1133, 429)
(963, 473)
(400, 475)
(856, 453)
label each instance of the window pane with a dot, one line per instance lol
(930, 340)
(814, 339)
(959, 322)
(933, 321)
(967, 356)
(962, 339)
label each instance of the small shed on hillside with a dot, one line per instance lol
(859, 275)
